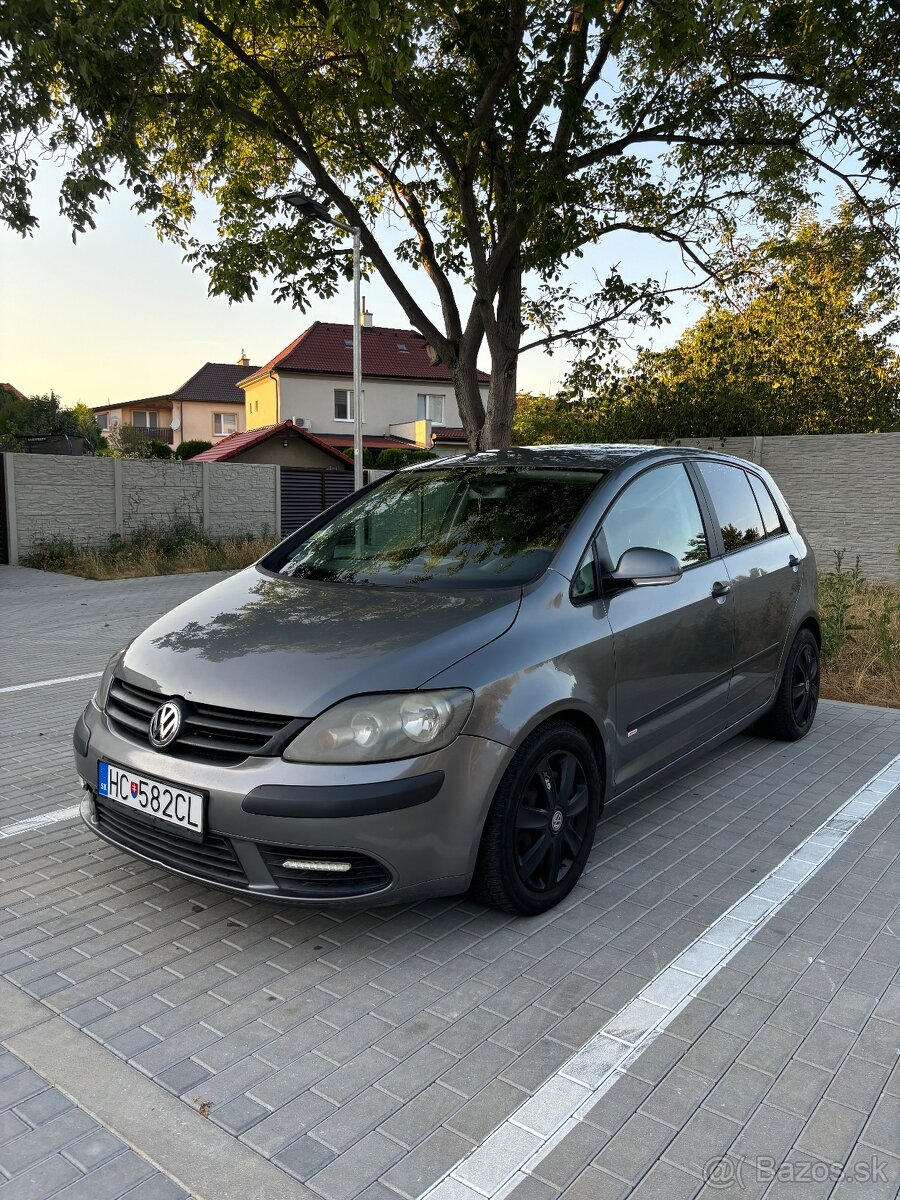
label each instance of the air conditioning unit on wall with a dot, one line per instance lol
(299, 422)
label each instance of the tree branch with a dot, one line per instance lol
(305, 150)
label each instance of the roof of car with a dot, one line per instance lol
(587, 457)
(594, 457)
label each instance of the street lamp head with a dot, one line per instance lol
(308, 207)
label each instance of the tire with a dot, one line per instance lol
(551, 794)
(792, 714)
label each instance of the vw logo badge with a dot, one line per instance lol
(165, 724)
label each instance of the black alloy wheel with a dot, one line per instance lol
(551, 821)
(540, 827)
(805, 685)
(797, 696)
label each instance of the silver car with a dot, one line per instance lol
(435, 685)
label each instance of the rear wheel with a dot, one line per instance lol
(540, 828)
(797, 699)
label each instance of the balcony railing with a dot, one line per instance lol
(154, 434)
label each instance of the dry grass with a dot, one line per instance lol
(178, 550)
(861, 638)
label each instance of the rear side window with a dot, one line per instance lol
(737, 512)
(772, 522)
(659, 510)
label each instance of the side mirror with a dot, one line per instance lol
(643, 565)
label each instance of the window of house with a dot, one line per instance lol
(145, 420)
(736, 509)
(430, 408)
(102, 420)
(224, 423)
(343, 404)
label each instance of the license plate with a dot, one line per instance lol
(162, 802)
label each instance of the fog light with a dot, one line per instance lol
(303, 864)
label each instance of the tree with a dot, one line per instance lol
(43, 416)
(505, 137)
(801, 344)
(86, 426)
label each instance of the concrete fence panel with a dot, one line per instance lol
(89, 499)
(844, 490)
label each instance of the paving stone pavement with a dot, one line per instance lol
(51, 1147)
(364, 1053)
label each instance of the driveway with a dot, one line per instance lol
(713, 1011)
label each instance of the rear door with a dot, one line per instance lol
(762, 564)
(673, 642)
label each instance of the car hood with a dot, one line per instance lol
(296, 646)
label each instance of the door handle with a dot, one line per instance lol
(720, 589)
(793, 562)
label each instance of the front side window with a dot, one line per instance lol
(102, 420)
(430, 407)
(735, 505)
(224, 423)
(658, 511)
(451, 528)
(144, 420)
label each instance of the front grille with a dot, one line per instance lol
(365, 874)
(209, 734)
(212, 859)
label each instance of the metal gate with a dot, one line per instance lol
(4, 535)
(304, 494)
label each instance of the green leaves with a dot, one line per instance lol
(499, 136)
(792, 346)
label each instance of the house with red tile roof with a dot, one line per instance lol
(208, 407)
(407, 396)
(283, 444)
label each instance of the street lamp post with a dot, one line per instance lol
(311, 208)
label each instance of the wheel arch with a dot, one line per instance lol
(586, 723)
(812, 623)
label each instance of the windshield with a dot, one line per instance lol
(472, 528)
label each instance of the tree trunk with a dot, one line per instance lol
(504, 336)
(468, 397)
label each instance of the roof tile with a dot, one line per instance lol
(234, 443)
(216, 382)
(324, 349)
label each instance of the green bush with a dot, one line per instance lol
(370, 458)
(191, 447)
(156, 449)
(393, 460)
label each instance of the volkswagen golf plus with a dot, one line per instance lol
(436, 684)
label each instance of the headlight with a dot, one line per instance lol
(382, 728)
(102, 693)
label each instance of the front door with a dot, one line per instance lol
(673, 642)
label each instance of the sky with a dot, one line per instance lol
(118, 316)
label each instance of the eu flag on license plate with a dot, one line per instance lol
(103, 778)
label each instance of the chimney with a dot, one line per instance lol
(365, 317)
(243, 361)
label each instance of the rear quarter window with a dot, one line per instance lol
(772, 520)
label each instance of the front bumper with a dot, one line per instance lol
(409, 829)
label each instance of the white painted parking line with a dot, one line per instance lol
(29, 824)
(25, 687)
(514, 1150)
